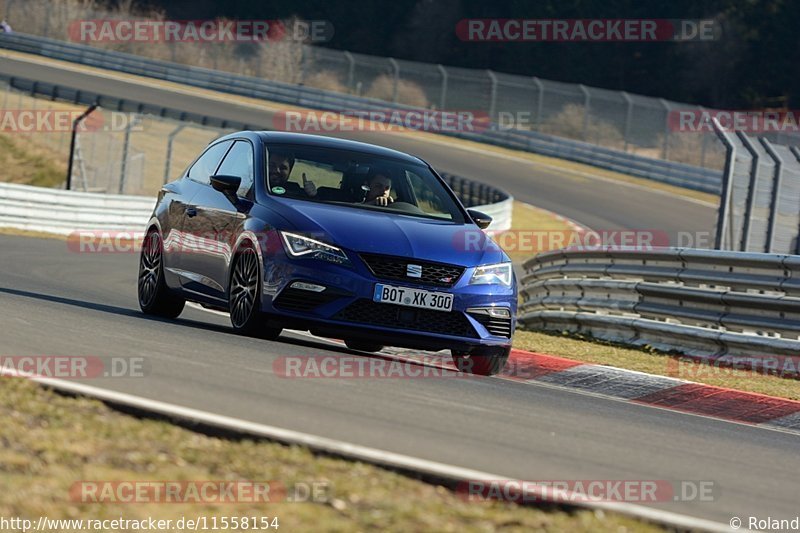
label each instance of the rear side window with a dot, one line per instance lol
(239, 163)
(205, 167)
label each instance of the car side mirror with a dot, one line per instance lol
(481, 219)
(227, 185)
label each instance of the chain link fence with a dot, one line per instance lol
(635, 124)
(115, 152)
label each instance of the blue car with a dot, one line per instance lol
(340, 238)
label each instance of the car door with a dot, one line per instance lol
(192, 242)
(217, 222)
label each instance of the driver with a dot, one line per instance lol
(280, 166)
(380, 187)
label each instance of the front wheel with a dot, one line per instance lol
(155, 298)
(481, 361)
(244, 297)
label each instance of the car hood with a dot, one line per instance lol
(366, 231)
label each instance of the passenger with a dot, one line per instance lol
(380, 187)
(280, 166)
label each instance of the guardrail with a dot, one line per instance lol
(705, 303)
(707, 180)
(64, 212)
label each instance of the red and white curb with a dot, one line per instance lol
(657, 391)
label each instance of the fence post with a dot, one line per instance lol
(75, 124)
(751, 191)
(443, 94)
(396, 69)
(125, 147)
(351, 70)
(586, 103)
(170, 139)
(539, 102)
(492, 95)
(776, 193)
(628, 115)
(665, 146)
(727, 178)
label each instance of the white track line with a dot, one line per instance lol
(354, 451)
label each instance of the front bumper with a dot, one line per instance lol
(345, 308)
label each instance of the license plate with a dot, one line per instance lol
(389, 294)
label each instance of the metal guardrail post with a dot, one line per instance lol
(776, 192)
(586, 102)
(665, 145)
(351, 71)
(751, 191)
(539, 102)
(396, 68)
(492, 95)
(170, 140)
(727, 178)
(443, 92)
(75, 124)
(796, 151)
(628, 116)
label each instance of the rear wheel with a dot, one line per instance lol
(244, 297)
(155, 298)
(481, 361)
(363, 346)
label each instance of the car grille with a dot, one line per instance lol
(501, 327)
(396, 268)
(400, 317)
(299, 300)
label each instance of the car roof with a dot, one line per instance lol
(282, 137)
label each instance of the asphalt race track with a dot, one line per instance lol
(59, 302)
(55, 301)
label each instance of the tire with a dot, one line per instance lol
(155, 298)
(244, 297)
(481, 361)
(363, 346)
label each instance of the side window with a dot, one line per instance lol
(205, 167)
(239, 162)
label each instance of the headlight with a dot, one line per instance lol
(499, 274)
(300, 246)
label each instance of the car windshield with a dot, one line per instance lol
(358, 180)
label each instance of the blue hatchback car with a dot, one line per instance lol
(339, 238)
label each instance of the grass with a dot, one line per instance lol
(53, 441)
(29, 164)
(595, 351)
(527, 223)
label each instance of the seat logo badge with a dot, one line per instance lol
(414, 271)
